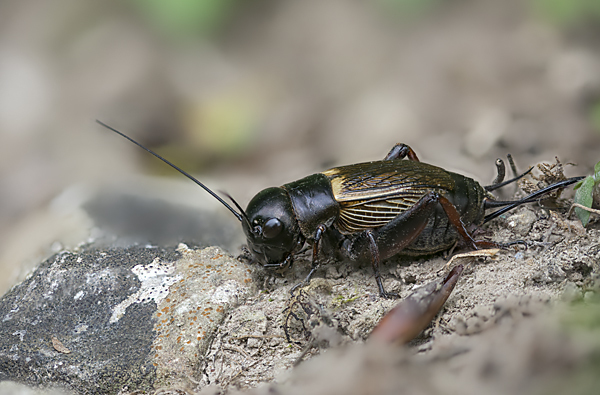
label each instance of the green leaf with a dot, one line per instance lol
(597, 173)
(584, 197)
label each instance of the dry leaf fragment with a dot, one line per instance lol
(58, 346)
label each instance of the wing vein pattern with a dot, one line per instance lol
(374, 193)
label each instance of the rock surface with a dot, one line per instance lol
(104, 321)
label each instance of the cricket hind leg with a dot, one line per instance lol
(401, 151)
(391, 239)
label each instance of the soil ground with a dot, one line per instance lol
(341, 305)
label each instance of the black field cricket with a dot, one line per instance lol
(369, 211)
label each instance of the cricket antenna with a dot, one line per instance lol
(239, 216)
(239, 208)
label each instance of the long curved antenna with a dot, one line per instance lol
(238, 207)
(224, 203)
(530, 198)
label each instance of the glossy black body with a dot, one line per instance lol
(380, 192)
(313, 203)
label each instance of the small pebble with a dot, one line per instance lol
(519, 255)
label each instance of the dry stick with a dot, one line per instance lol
(222, 360)
(242, 337)
(472, 254)
(588, 209)
(231, 347)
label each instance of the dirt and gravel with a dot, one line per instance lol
(341, 306)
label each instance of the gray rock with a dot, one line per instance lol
(131, 217)
(124, 319)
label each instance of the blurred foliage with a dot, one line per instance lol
(215, 128)
(568, 12)
(184, 18)
(224, 124)
(584, 194)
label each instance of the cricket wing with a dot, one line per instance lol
(372, 194)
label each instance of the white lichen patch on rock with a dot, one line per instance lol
(211, 283)
(156, 278)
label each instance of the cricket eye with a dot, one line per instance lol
(272, 228)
